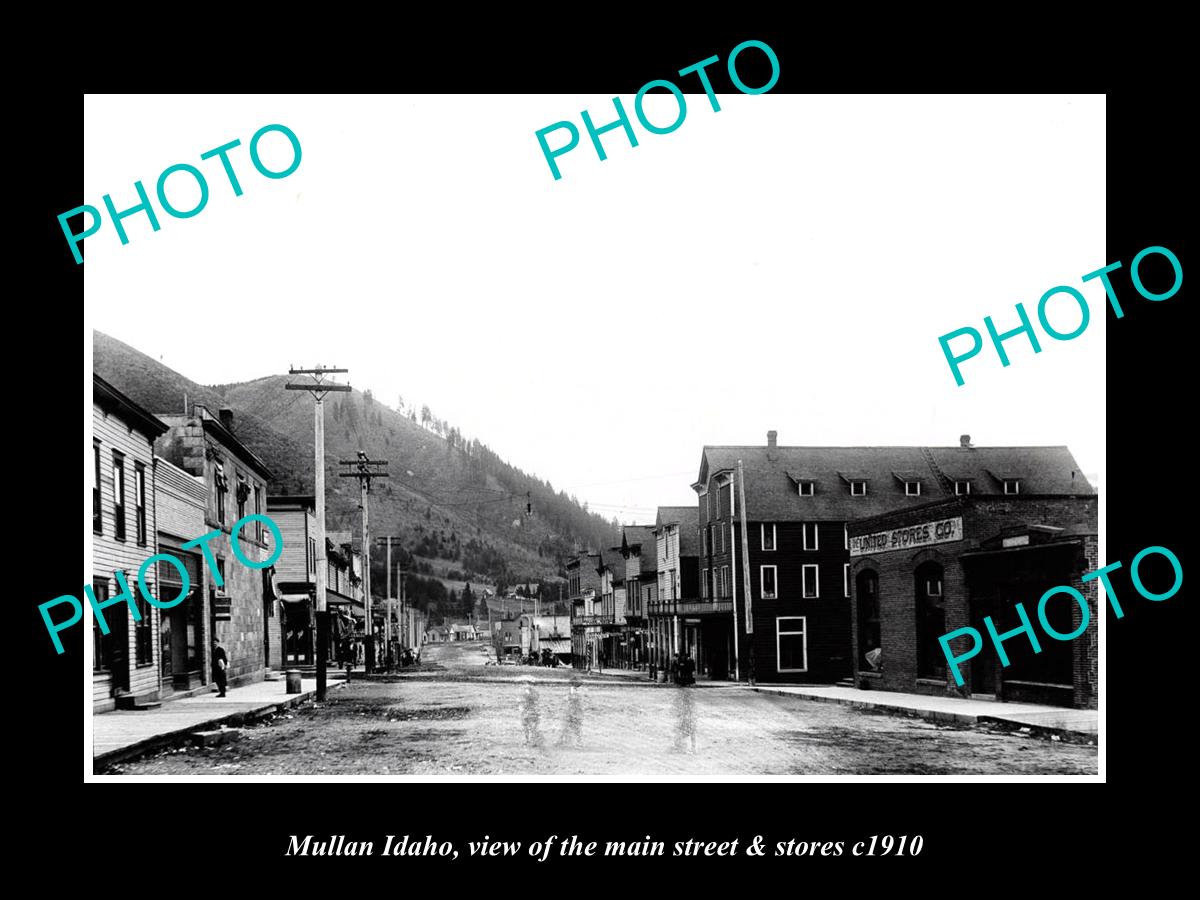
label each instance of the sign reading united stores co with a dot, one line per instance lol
(942, 531)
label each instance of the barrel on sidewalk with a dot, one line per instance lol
(293, 681)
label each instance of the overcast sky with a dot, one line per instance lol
(787, 263)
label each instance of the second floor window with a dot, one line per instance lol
(258, 525)
(243, 494)
(962, 487)
(97, 514)
(139, 498)
(768, 537)
(704, 583)
(858, 489)
(119, 495)
(222, 487)
(810, 535)
(767, 579)
(811, 584)
(1012, 486)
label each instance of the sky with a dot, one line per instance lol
(787, 263)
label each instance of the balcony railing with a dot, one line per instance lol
(707, 606)
(593, 620)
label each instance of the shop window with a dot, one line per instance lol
(811, 581)
(867, 589)
(767, 582)
(101, 642)
(791, 644)
(768, 537)
(931, 621)
(144, 632)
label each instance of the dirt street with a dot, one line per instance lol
(457, 716)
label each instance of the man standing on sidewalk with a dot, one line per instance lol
(220, 662)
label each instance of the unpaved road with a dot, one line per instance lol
(457, 716)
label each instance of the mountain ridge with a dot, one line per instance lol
(446, 498)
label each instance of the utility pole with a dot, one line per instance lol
(364, 469)
(387, 624)
(404, 630)
(746, 570)
(319, 387)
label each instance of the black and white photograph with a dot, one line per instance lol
(765, 447)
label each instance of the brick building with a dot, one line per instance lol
(125, 660)
(235, 480)
(921, 573)
(800, 502)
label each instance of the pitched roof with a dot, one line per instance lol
(110, 399)
(614, 562)
(688, 520)
(771, 476)
(642, 536)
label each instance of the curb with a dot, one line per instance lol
(180, 735)
(933, 715)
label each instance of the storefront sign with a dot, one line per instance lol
(943, 531)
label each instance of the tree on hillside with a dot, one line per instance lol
(426, 416)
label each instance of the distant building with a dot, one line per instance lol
(639, 549)
(125, 662)
(583, 591)
(612, 607)
(677, 555)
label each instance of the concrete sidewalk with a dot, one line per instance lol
(121, 734)
(947, 709)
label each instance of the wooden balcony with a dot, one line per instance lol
(710, 606)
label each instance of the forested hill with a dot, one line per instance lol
(453, 503)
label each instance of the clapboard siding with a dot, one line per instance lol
(110, 555)
(296, 526)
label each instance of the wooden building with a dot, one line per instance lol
(639, 549)
(671, 626)
(583, 587)
(124, 528)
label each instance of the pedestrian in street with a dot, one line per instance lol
(675, 669)
(572, 731)
(220, 662)
(687, 669)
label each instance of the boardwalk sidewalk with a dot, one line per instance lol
(948, 709)
(121, 734)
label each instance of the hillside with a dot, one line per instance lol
(454, 504)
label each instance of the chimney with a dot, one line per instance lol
(964, 440)
(226, 415)
(772, 439)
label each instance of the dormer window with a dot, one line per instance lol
(912, 489)
(962, 488)
(806, 488)
(858, 488)
(1012, 486)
